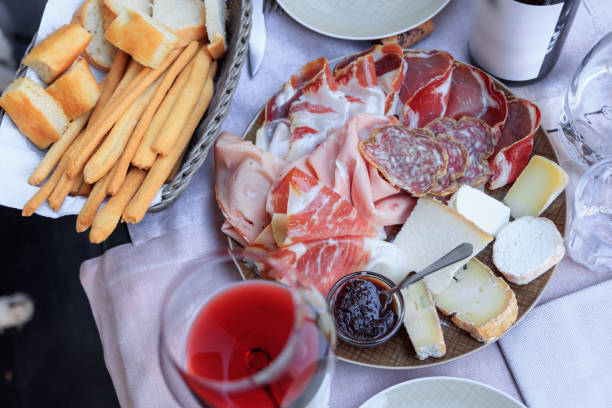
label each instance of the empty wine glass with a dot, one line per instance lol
(586, 117)
(254, 343)
(589, 240)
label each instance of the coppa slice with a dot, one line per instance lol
(458, 162)
(479, 302)
(408, 158)
(479, 140)
(321, 263)
(516, 142)
(306, 210)
(473, 94)
(360, 87)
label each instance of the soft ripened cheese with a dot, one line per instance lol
(479, 302)
(432, 230)
(536, 187)
(483, 210)
(422, 322)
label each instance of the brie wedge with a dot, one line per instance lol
(432, 230)
(479, 302)
(483, 210)
(422, 322)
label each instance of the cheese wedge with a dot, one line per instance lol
(432, 230)
(422, 322)
(483, 210)
(479, 302)
(536, 188)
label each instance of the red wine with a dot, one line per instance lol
(240, 332)
(519, 41)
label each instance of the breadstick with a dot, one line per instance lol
(139, 204)
(76, 186)
(110, 82)
(145, 120)
(213, 70)
(144, 156)
(111, 148)
(132, 70)
(108, 217)
(115, 109)
(44, 191)
(84, 190)
(57, 149)
(61, 190)
(90, 208)
(184, 106)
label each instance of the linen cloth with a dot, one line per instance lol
(125, 284)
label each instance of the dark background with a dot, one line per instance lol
(56, 359)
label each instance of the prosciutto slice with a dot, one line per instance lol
(516, 142)
(478, 138)
(243, 175)
(408, 158)
(359, 84)
(306, 210)
(321, 263)
(273, 135)
(320, 108)
(473, 94)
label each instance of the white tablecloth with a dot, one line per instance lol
(133, 275)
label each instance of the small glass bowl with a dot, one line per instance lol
(398, 301)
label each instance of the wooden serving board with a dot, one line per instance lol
(398, 351)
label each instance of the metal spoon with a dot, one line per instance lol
(461, 252)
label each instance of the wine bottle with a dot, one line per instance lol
(519, 41)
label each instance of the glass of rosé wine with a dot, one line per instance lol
(252, 343)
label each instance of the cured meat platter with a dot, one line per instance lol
(399, 352)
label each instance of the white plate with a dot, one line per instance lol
(361, 19)
(441, 392)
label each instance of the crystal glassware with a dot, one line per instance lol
(589, 240)
(253, 343)
(586, 117)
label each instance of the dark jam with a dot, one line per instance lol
(358, 311)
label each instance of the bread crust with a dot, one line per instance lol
(217, 47)
(77, 90)
(55, 54)
(108, 14)
(31, 121)
(79, 18)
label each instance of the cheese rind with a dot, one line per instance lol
(479, 302)
(432, 230)
(536, 188)
(483, 210)
(422, 322)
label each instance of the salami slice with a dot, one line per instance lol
(458, 162)
(359, 84)
(473, 94)
(516, 142)
(478, 138)
(408, 158)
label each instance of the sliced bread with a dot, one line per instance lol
(186, 18)
(479, 302)
(55, 54)
(432, 230)
(36, 113)
(216, 13)
(146, 40)
(112, 8)
(526, 248)
(99, 52)
(76, 90)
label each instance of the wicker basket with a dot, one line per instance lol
(228, 73)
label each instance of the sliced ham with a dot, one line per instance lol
(473, 94)
(359, 84)
(321, 263)
(516, 142)
(304, 209)
(243, 175)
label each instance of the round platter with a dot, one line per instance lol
(361, 19)
(398, 351)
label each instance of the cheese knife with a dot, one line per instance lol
(257, 40)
